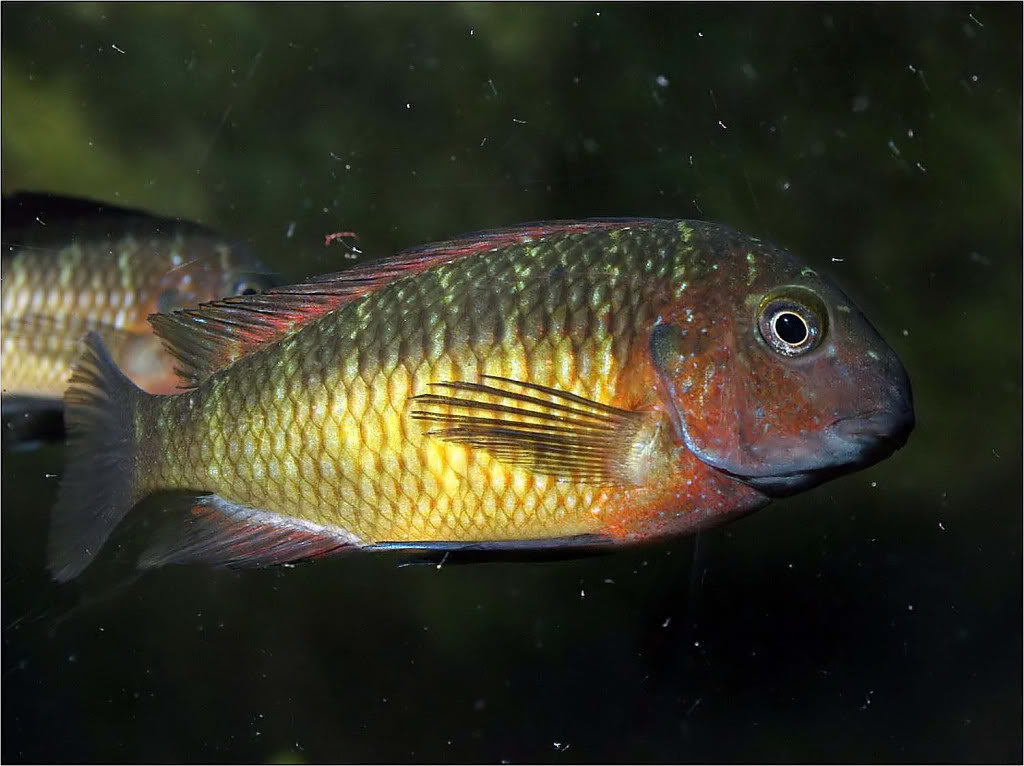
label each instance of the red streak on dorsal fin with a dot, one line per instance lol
(214, 335)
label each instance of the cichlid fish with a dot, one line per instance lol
(555, 384)
(71, 266)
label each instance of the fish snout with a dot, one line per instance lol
(877, 433)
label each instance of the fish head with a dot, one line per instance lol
(772, 376)
(202, 270)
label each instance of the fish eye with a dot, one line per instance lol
(790, 327)
(793, 322)
(247, 287)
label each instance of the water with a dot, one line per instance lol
(876, 618)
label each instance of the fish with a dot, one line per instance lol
(561, 385)
(72, 266)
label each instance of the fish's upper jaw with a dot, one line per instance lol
(882, 430)
(847, 445)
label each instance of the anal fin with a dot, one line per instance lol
(210, 530)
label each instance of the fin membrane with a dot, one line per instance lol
(97, 488)
(536, 427)
(210, 530)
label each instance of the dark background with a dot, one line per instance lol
(875, 618)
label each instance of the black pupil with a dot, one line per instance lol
(791, 328)
(248, 291)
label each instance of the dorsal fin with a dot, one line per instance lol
(212, 336)
(41, 209)
(39, 217)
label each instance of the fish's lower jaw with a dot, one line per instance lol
(783, 485)
(791, 465)
(803, 477)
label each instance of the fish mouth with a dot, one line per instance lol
(882, 430)
(848, 444)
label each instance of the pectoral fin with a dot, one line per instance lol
(536, 427)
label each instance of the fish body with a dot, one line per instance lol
(565, 383)
(72, 266)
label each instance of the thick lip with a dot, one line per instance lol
(848, 444)
(889, 428)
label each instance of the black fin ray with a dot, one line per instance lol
(441, 553)
(546, 430)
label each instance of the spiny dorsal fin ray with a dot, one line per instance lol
(548, 431)
(214, 335)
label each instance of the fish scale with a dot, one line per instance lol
(71, 266)
(386, 480)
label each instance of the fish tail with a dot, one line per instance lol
(98, 486)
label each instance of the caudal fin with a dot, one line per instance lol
(97, 488)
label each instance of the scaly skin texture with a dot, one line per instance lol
(60, 281)
(318, 426)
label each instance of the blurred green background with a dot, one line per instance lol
(876, 618)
